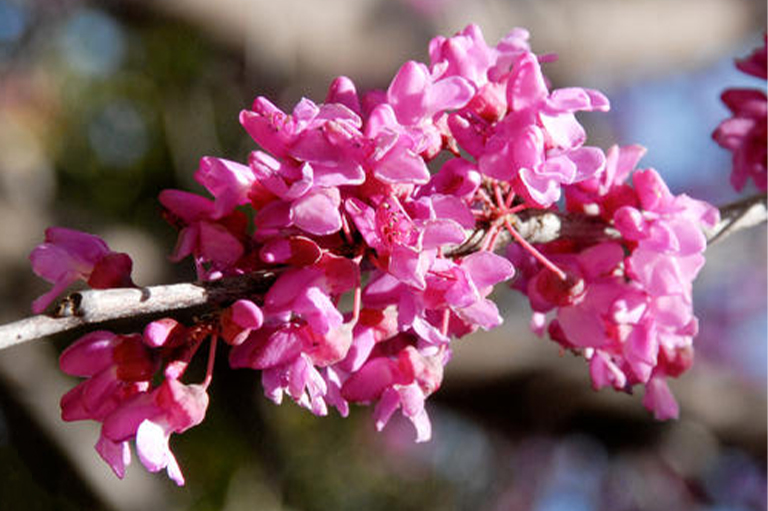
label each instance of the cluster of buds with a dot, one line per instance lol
(380, 261)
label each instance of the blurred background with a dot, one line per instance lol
(104, 104)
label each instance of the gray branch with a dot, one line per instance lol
(94, 307)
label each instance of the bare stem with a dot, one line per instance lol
(93, 307)
(96, 306)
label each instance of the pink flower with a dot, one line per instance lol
(745, 133)
(67, 256)
(626, 305)
(378, 262)
(211, 240)
(400, 381)
(151, 418)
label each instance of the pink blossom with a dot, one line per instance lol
(151, 418)
(378, 262)
(67, 256)
(626, 305)
(400, 381)
(745, 133)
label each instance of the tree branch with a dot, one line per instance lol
(737, 216)
(96, 306)
(93, 306)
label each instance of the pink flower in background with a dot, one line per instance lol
(67, 256)
(746, 133)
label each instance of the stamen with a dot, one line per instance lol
(356, 303)
(530, 248)
(211, 360)
(497, 192)
(510, 197)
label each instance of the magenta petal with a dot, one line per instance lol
(112, 270)
(153, 451)
(72, 406)
(487, 269)
(597, 101)
(275, 215)
(407, 90)
(589, 161)
(343, 91)
(401, 165)
(498, 161)
(247, 314)
(569, 99)
(157, 332)
(360, 349)
(42, 302)
(527, 87)
(453, 208)
(584, 329)
(387, 405)
(288, 286)
(659, 399)
(641, 350)
(272, 382)
(371, 380)
(116, 454)
(186, 243)
(90, 354)
(265, 125)
(600, 260)
(228, 181)
(673, 311)
(564, 130)
(54, 263)
(409, 266)
(318, 213)
(187, 206)
(543, 190)
(630, 222)
(295, 251)
(318, 310)
(457, 177)
(85, 246)
(265, 349)
(560, 168)
(659, 274)
(437, 233)
(448, 94)
(629, 308)
(412, 403)
(604, 372)
(216, 243)
(651, 190)
(483, 313)
(364, 218)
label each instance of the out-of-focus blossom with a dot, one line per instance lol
(745, 133)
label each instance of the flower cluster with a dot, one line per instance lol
(118, 392)
(380, 261)
(625, 304)
(745, 133)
